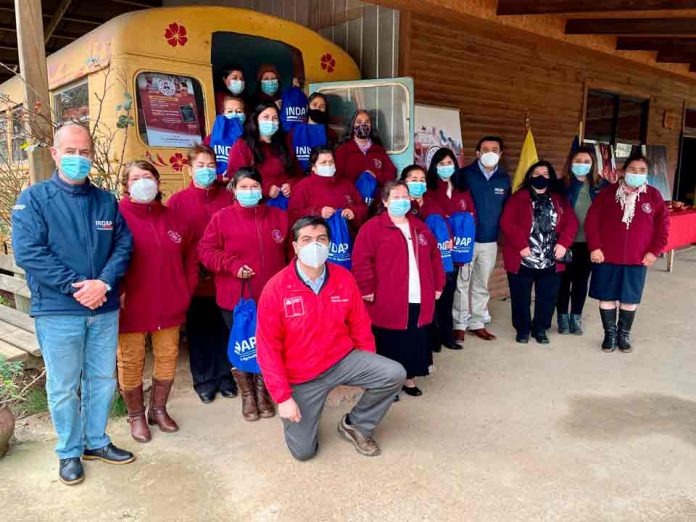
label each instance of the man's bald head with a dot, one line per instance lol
(72, 131)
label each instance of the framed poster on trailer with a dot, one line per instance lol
(437, 127)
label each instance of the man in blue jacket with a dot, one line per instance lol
(74, 245)
(490, 187)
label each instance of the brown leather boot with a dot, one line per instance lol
(136, 414)
(245, 384)
(266, 408)
(157, 412)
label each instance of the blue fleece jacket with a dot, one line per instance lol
(489, 197)
(64, 233)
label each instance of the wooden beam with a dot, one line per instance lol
(77, 20)
(12, 29)
(135, 3)
(56, 19)
(633, 26)
(524, 7)
(676, 56)
(32, 63)
(627, 43)
(692, 67)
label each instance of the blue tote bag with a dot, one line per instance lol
(294, 108)
(341, 244)
(304, 138)
(241, 347)
(438, 226)
(225, 133)
(463, 228)
(367, 186)
(280, 202)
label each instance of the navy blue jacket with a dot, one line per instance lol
(575, 185)
(64, 233)
(489, 197)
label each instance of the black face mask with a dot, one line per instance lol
(318, 116)
(540, 182)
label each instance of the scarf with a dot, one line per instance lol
(628, 199)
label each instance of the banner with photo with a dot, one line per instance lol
(437, 127)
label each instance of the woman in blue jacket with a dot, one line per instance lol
(583, 184)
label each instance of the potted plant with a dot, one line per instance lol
(10, 375)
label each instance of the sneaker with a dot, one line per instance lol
(364, 444)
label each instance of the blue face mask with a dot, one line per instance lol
(235, 86)
(248, 198)
(238, 115)
(581, 170)
(399, 207)
(635, 180)
(269, 86)
(445, 172)
(268, 128)
(75, 167)
(204, 176)
(416, 188)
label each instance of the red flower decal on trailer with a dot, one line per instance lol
(177, 161)
(175, 35)
(328, 62)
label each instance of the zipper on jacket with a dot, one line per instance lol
(159, 249)
(258, 236)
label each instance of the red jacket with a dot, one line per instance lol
(516, 225)
(272, 169)
(238, 236)
(195, 206)
(648, 232)
(300, 335)
(351, 162)
(314, 192)
(163, 270)
(380, 266)
(460, 201)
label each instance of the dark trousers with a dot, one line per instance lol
(574, 281)
(442, 327)
(207, 339)
(545, 283)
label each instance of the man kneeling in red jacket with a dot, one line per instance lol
(313, 334)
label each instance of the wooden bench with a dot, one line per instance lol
(17, 332)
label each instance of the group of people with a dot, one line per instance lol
(108, 278)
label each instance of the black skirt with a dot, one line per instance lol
(409, 347)
(623, 283)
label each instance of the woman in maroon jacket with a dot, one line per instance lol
(626, 227)
(399, 272)
(362, 151)
(155, 294)
(322, 193)
(538, 226)
(245, 241)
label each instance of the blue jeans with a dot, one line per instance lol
(79, 352)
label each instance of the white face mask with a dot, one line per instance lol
(490, 159)
(143, 190)
(313, 254)
(325, 171)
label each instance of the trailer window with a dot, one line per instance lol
(72, 103)
(170, 110)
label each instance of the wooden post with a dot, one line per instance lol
(32, 67)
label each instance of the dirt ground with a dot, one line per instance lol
(503, 432)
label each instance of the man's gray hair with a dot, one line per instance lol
(71, 125)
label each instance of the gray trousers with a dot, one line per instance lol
(382, 379)
(470, 310)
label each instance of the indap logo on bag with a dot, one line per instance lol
(246, 349)
(442, 246)
(104, 225)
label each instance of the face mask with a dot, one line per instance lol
(269, 86)
(489, 159)
(238, 115)
(445, 171)
(580, 170)
(540, 182)
(314, 254)
(75, 167)
(635, 180)
(362, 131)
(416, 188)
(317, 116)
(325, 171)
(399, 207)
(268, 128)
(143, 190)
(235, 86)
(204, 176)
(248, 198)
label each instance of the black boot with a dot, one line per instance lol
(563, 324)
(624, 329)
(609, 324)
(576, 324)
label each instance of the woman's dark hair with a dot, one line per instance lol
(309, 221)
(228, 68)
(431, 177)
(389, 186)
(143, 165)
(316, 151)
(409, 169)
(554, 183)
(634, 157)
(316, 95)
(198, 149)
(244, 173)
(593, 176)
(490, 138)
(350, 129)
(278, 140)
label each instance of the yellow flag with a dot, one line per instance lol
(528, 157)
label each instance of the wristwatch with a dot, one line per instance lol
(108, 286)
